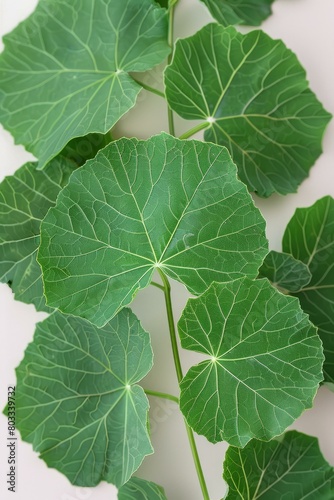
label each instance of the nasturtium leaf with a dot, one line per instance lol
(253, 96)
(141, 205)
(250, 12)
(140, 489)
(77, 398)
(264, 366)
(163, 3)
(71, 77)
(285, 272)
(84, 148)
(25, 198)
(309, 237)
(291, 467)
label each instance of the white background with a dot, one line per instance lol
(306, 26)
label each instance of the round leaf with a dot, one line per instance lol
(253, 94)
(72, 77)
(265, 362)
(25, 198)
(77, 401)
(251, 12)
(285, 272)
(309, 237)
(289, 468)
(140, 489)
(142, 205)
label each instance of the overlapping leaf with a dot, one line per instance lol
(139, 489)
(285, 272)
(25, 198)
(309, 237)
(291, 467)
(77, 401)
(141, 205)
(265, 362)
(81, 149)
(251, 12)
(253, 95)
(64, 71)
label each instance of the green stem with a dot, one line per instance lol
(171, 326)
(149, 88)
(162, 395)
(170, 57)
(157, 285)
(194, 130)
(177, 362)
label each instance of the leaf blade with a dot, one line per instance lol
(272, 124)
(309, 237)
(265, 362)
(273, 470)
(77, 82)
(285, 272)
(77, 398)
(140, 489)
(25, 198)
(186, 213)
(228, 12)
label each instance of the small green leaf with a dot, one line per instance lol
(140, 489)
(77, 401)
(290, 468)
(253, 95)
(309, 237)
(72, 77)
(250, 12)
(265, 362)
(141, 205)
(82, 149)
(285, 272)
(25, 198)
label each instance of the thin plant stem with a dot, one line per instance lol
(149, 88)
(154, 283)
(178, 368)
(194, 130)
(171, 125)
(162, 395)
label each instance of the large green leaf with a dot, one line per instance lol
(141, 205)
(265, 362)
(309, 237)
(290, 468)
(25, 198)
(285, 272)
(71, 76)
(77, 401)
(139, 489)
(82, 149)
(251, 12)
(253, 96)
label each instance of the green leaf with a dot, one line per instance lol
(77, 401)
(25, 198)
(251, 12)
(82, 149)
(285, 272)
(139, 206)
(265, 362)
(140, 489)
(72, 77)
(289, 468)
(253, 96)
(309, 237)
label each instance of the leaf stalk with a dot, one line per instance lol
(178, 367)
(194, 130)
(171, 125)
